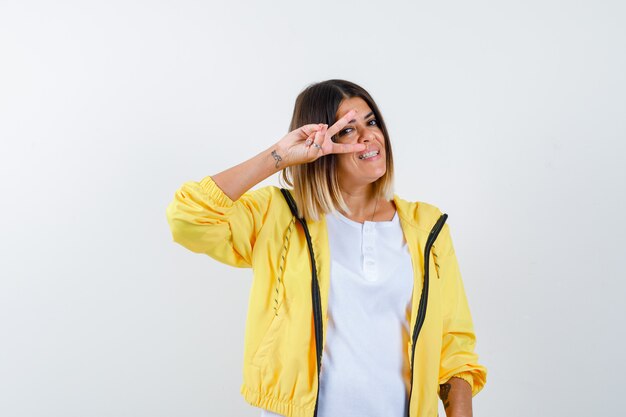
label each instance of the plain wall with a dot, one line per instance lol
(509, 116)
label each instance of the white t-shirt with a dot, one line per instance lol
(365, 369)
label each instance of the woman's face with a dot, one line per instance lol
(365, 167)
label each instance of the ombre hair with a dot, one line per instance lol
(315, 185)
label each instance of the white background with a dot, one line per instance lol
(507, 115)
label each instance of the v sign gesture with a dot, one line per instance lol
(309, 142)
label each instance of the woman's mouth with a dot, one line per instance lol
(369, 155)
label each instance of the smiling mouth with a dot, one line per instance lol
(369, 154)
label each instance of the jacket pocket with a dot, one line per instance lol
(266, 348)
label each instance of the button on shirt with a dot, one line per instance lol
(365, 368)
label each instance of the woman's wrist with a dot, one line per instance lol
(456, 396)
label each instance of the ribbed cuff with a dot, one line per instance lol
(466, 376)
(215, 193)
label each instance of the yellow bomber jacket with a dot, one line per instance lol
(280, 365)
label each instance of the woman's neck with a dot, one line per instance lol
(361, 201)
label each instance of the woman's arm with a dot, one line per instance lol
(458, 358)
(456, 396)
(293, 149)
(237, 180)
(220, 217)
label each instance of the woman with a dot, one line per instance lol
(345, 316)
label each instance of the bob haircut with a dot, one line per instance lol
(315, 185)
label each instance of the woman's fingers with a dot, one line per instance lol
(347, 147)
(307, 130)
(339, 124)
(310, 138)
(319, 139)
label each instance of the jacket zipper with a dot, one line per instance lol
(315, 293)
(421, 311)
(317, 311)
(316, 298)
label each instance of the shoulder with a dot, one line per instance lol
(419, 214)
(264, 192)
(268, 195)
(271, 199)
(265, 200)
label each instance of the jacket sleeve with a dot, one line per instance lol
(204, 219)
(458, 358)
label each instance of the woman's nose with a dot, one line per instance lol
(366, 137)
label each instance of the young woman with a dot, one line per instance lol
(357, 306)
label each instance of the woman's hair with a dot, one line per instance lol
(315, 185)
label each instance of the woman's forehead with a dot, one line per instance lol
(356, 103)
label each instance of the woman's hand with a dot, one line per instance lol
(309, 142)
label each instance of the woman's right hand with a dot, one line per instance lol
(309, 142)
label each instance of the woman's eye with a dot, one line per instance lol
(348, 130)
(345, 131)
